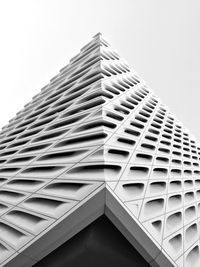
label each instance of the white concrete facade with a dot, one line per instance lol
(97, 140)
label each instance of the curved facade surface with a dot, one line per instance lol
(96, 140)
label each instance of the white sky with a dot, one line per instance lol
(159, 39)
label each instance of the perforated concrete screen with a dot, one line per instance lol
(96, 140)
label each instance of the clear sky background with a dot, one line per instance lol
(159, 39)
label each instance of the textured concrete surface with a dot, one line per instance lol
(97, 140)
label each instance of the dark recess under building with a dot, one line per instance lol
(99, 244)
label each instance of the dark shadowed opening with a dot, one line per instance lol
(99, 244)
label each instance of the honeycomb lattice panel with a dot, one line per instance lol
(97, 122)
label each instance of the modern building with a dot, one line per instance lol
(95, 171)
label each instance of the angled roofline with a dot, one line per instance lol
(101, 201)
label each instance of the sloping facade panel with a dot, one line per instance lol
(97, 140)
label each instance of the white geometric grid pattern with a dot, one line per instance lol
(98, 126)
